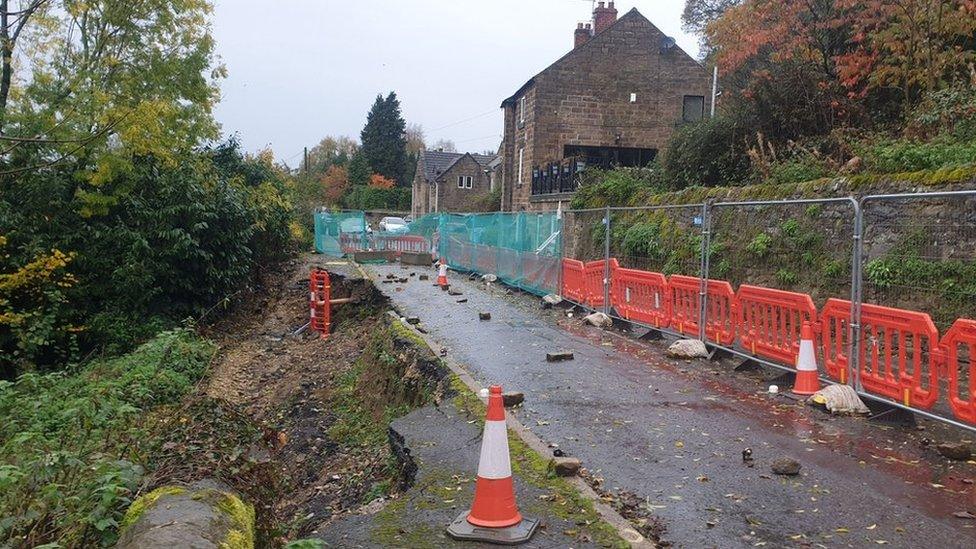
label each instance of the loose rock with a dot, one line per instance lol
(454, 292)
(512, 399)
(599, 320)
(958, 451)
(566, 466)
(465, 300)
(687, 348)
(559, 356)
(786, 466)
(413, 320)
(423, 277)
(484, 316)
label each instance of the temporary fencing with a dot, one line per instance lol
(746, 276)
(340, 232)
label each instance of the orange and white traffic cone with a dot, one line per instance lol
(494, 515)
(807, 378)
(442, 274)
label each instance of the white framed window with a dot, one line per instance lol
(460, 181)
(468, 182)
(520, 165)
(521, 110)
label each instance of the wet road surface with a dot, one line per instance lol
(673, 432)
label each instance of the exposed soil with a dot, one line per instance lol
(282, 377)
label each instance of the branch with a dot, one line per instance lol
(62, 158)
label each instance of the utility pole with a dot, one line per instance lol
(714, 88)
(306, 162)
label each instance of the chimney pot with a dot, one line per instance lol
(581, 35)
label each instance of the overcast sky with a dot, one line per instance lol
(300, 70)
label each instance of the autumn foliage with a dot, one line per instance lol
(335, 183)
(377, 181)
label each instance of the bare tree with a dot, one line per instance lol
(12, 23)
(445, 145)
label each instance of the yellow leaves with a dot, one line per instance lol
(38, 273)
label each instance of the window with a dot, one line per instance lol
(521, 109)
(693, 109)
(460, 181)
(465, 181)
(519, 173)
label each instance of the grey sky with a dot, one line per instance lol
(303, 69)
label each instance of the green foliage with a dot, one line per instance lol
(384, 140)
(362, 197)
(70, 443)
(796, 170)
(616, 187)
(949, 111)
(759, 245)
(177, 241)
(643, 240)
(787, 277)
(708, 153)
(894, 156)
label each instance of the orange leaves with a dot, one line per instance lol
(336, 183)
(377, 181)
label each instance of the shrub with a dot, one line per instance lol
(894, 156)
(759, 246)
(71, 443)
(643, 240)
(618, 187)
(708, 153)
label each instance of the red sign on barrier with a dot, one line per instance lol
(641, 296)
(900, 353)
(320, 310)
(686, 308)
(961, 337)
(573, 287)
(769, 321)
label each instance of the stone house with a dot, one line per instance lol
(451, 182)
(614, 100)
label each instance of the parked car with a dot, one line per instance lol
(393, 224)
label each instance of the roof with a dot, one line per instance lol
(439, 162)
(630, 14)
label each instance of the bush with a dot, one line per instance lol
(363, 197)
(709, 153)
(173, 240)
(643, 240)
(618, 187)
(70, 449)
(894, 156)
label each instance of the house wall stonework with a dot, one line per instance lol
(454, 199)
(585, 98)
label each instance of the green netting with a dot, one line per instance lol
(340, 232)
(521, 249)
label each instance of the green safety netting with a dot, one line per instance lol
(521, 249)
(339, 232)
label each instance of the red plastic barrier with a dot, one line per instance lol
(961, 334)
(319, 294)
(573, 287)
(641, 296)
(685, 308)
(769, 321)
(834, 321)
(900, 353)
(401, 243)
(594, 276)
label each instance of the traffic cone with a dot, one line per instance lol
(494, 515)
(807, 379)
(442, 274)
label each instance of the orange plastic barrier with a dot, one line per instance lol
(769, 321)
(962, 334)
(834, 321)
(641, 296)
(900, 353)
(593, 276)
(686, 308)
(573, 286)
(319, 294)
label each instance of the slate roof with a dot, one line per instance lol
(438, 162)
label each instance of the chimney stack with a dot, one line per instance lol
(582, 34)
(604, 17)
